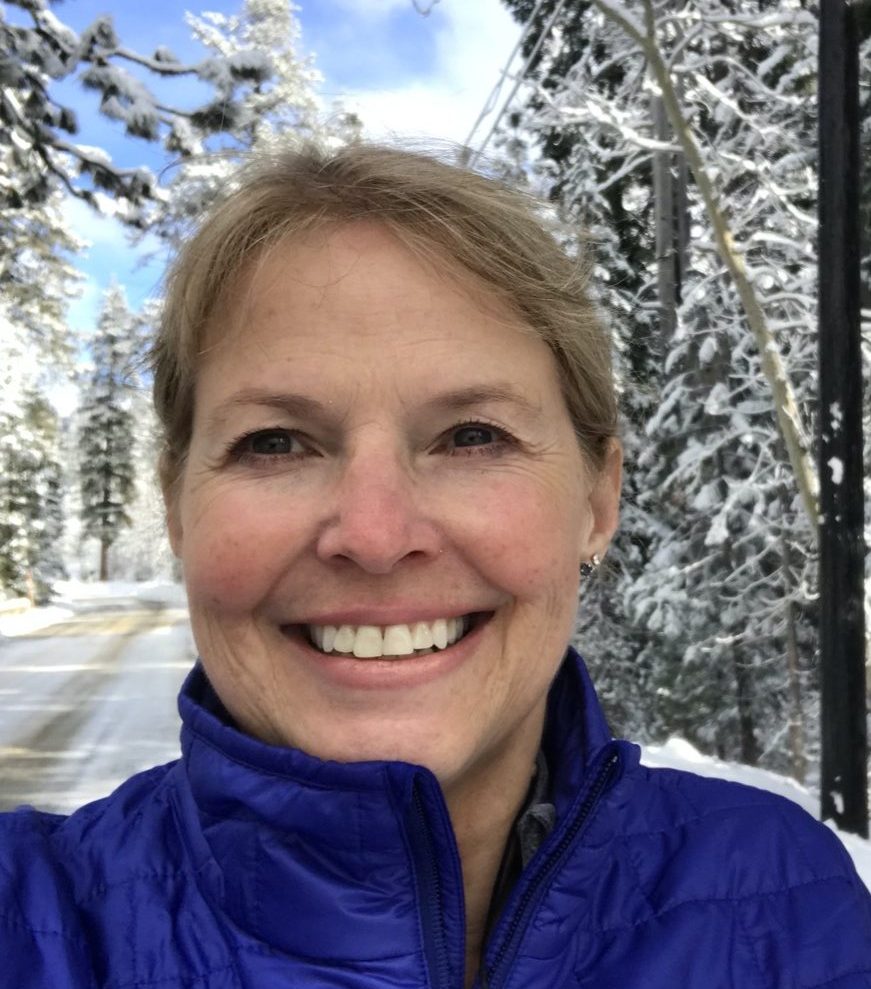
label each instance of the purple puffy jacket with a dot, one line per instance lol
(246, 865)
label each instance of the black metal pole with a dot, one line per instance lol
(844, 779)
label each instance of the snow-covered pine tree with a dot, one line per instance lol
(37, 281)
(142, 552)
(106, 427)
(31, 510)
(713, 590)
(277, 112)
(42, 154)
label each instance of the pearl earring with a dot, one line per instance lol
(588, 568)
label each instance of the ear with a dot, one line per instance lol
(604, 502)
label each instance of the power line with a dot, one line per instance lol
(518, 79)
(503, 75)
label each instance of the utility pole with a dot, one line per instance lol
(844, 779)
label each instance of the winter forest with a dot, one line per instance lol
(704, 621)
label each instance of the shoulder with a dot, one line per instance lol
(58, 873)
(726, 837)
(754, 861)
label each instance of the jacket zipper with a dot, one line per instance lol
(432, 908)
(490, 975)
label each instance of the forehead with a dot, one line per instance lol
(355, 298)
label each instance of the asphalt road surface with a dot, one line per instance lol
(88, 702)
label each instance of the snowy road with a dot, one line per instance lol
(87, 702)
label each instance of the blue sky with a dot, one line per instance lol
(405, 74)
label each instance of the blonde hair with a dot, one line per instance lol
(440, 210)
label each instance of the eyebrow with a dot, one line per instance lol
(501, 393)
(294, 405)
(302, 406)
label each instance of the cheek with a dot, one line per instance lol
(525, 535)
(232, 553)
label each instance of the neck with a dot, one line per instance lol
(483, 807)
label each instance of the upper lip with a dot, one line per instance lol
(392, 615)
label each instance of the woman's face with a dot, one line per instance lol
(377, 448)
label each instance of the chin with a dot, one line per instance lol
(373, 744)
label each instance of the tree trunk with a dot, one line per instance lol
(797, 757)
(104, 559)
(682, 215)
(746, 723)
(663, 205)
(798, 760)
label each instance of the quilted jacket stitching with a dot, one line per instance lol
(20, 924)
(747, 940)
(180, 980)
(710, 900)
(136, 877)
(839, 978)
(718, 812)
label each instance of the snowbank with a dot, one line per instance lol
(70, 593)
(162, 592)
(32, 620)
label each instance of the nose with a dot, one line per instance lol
(376, 515)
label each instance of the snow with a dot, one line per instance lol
(836, 466)
(70, 592)
(677, 753)
(32, 620)
(708, 350)
(152, 591)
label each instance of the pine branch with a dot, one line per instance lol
(789, 417)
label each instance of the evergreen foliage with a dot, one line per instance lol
(31, 507)
(40, 153)
(106, 430)
(704, 625)
(272, 115)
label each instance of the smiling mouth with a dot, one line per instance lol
(391, 642)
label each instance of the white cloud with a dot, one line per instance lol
(472, 42)
(97, 230)
(109, 252)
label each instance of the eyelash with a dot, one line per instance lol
(237, 452)
(502, 439)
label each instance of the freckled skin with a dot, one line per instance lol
(381, 505)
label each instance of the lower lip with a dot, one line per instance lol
(390, 674)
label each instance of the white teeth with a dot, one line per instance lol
(440, 633)
(397, 641)
(455, 627)
(329, 637)
(368, 642)
(372, 641)
(421, 636)
(344, 641)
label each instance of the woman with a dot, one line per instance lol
(390, 455)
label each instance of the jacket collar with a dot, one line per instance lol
(321, 858)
